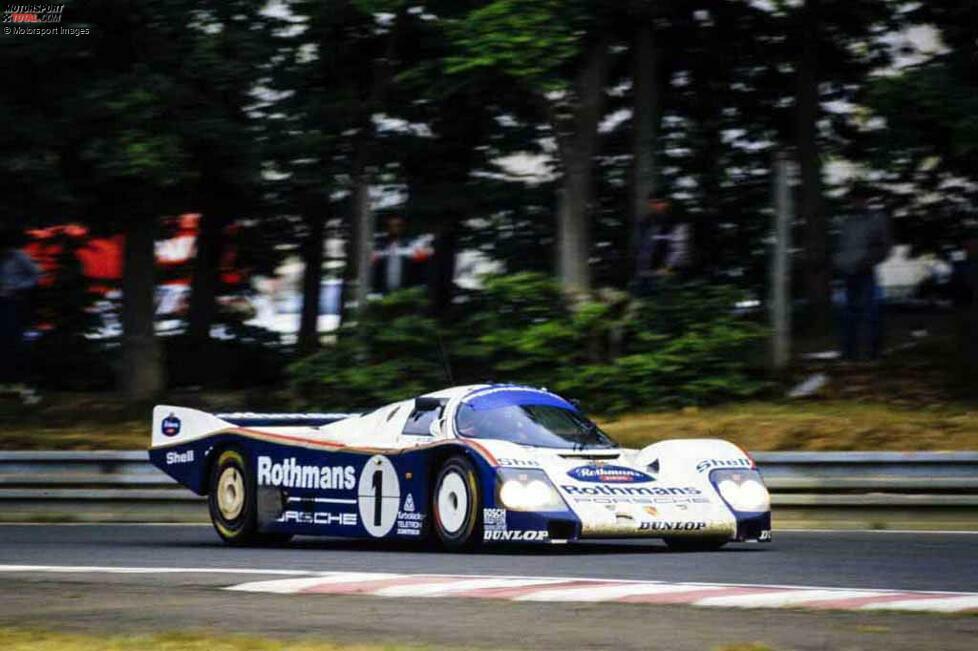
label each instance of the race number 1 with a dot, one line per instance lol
(378, 496)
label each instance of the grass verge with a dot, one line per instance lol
(13, 639)
(832, 425)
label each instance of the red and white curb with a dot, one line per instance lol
(553, 589)
(550, 589)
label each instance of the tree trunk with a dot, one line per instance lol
(780, 269)
(363, 228)
(312, 258)
(206, 276)
(573, 227)
(811, 206)
(141, 372)
(577, 143)
(441, 284)
(970, 330)
(646, 117)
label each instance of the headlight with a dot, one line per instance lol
(528, 490)
(743, 490)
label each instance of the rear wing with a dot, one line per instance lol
(251, 419)
(172, 425)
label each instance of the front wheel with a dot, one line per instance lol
(695, 544)
(232, 504)
(456, 504)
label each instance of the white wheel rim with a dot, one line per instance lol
(453, 502)
(230, 493)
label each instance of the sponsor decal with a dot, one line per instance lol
(378, 496)
(291, 474)
(765, 536)
(319, 517)
(604, 474)
(709, 464)
(409, 523)
(517, 463)
(610, 501)
(173, 458)
(671, 526)
(605, 489)
(170, 425)
(494, 520)
(515, 536)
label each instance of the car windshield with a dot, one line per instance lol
(544, 426)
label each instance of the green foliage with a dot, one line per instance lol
(683, 347)
(392, 355)
(524, 40)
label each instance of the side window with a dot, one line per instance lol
(419, 422)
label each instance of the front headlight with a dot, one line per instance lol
(743, 490)
(527, 490)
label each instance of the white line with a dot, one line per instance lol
(783, 598)
(14, 523)
(105, 569)
(949, 605)
(322, 500)
(942, 532)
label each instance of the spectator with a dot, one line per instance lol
(864, 242)
(663, 246)
(18, 275)
(396, 263)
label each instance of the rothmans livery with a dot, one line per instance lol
(463, 466)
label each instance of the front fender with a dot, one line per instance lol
(696, 456)
(697, 460)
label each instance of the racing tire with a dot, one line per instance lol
(231, 500)
(695, 544)
(456, 503)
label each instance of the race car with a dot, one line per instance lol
(463, 466)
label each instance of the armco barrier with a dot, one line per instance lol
(811, 489)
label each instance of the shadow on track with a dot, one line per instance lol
(589, 548)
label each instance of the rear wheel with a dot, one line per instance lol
(456, 504)
(695, 544)
(232, 504)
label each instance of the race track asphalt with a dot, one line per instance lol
(871, 559)
(111, 602)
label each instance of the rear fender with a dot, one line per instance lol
(179, 425)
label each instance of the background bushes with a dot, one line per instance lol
(684, 346)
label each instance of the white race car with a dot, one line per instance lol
(465, 465)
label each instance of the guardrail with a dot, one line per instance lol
(913, 490)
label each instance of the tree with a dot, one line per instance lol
(127, 158)
(836, 49)
(334, 67)
(927, 146)
(647, 88)
(559, 55)
(226, 54)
